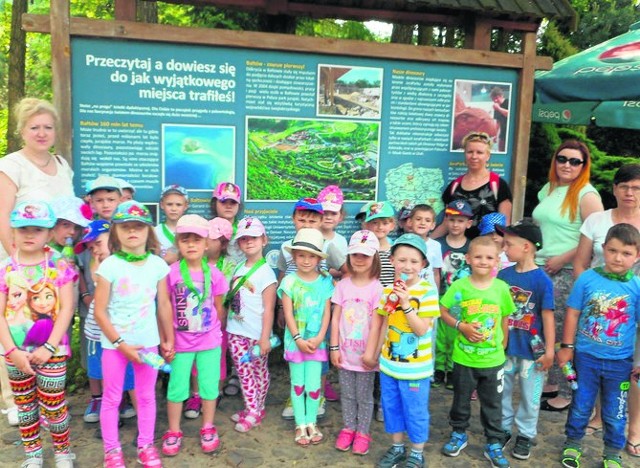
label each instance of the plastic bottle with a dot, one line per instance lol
(537, 345)
(570, 373)
(392, 299)
(456, 308)
(155, 360)
(67, 250)
(254, 352)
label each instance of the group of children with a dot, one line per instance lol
(416, 313)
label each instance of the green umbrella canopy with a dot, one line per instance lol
(600, 84)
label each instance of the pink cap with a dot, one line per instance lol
(227, 191)
(331, 198)
(363, 242)
(251, 227)
(220, 227)
(192, 223)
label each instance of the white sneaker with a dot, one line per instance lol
(287, 412)
(322, 410)
(32, 462)
(64, 460)
(12, 416)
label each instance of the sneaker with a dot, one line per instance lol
(171, 443)
(506, 438)
(493, 453)
(114, 459)
(345, 439)
(449, 380)
(127, 411)
(361, 444)
(438, 379)
(612, 461)
(247, 423)
(571, 457)
(474, 395)
(192, 407)
(380, 414)
(209, 440)
(12, 416)
(392, 457)
(522, 448)
(457, 442)
(92, 413)
(64, 460)
(330, 393)
(287, 412)
(148, 457)
(322, 410)
(414, 462)
(32, 462)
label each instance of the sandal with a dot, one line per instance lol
(247, 423)
(315, 436)
(301, 438)
(633, 449)
(571, 457)
(592, 430)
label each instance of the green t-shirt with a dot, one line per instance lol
(484, 306)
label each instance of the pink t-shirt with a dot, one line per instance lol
(358, 304)
(197, 328)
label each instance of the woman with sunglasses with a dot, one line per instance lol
(564, 203)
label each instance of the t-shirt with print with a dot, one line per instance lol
(197, 325)
(309, 300)
(486, 307)
(167, 242)
(532, 292)
(132, 300)
(247, 308)
(609, 314)
(405, 355)
(357, 304)
(454, 265)
(335, 258)
(33, 299)
(434, 257)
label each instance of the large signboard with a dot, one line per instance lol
(282, 125)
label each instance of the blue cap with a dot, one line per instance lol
(412, 240)
(488, 223)
(132, 211)
(36, 213)
(308, 204)
(459, 208)
(91, 233)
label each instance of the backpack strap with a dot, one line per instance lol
(494, 184)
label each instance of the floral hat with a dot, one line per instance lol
(70, 208)
(132, 211)
(331, 198)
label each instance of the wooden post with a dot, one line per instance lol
(125, 10)
(478, 35)
(61, 73)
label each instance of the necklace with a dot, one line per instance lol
(41, 166)
(131, 258)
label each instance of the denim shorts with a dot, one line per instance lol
(406, 407)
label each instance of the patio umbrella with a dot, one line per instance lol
(600, 84)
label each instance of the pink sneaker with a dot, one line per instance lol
(192, 407)
(329, 392)
(345, 439)
(114, 459)
(171, 443)
(474, 395)
(148, 457)
(209, 440)
(361, 444)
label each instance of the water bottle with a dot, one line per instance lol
(392, 299)
(570, 373)
(537, 345)
(155, 360)
(254, 352)
(67, 250)
(456, 308)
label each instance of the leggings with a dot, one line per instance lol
(44, 390)
(305, 390)
(253, 375)
(356, 398)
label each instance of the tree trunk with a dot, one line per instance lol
(277, 24)
(17, 52)
(147, 12)
(402, 33)
(425, 35)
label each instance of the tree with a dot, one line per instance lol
(16, 70)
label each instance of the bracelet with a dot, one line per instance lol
(457, 325)
(49, 347)
(84, 294)
(567, 345)
(296, 337)
(6, 354)
(408, 311)
(334, 348)
(117, 342)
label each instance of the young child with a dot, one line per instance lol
(174, 202)
(33, 331)
(226, 203)
(305, 296)
(332, 199)
(251, 304)
(104, 196)
(487, 227)
(379, 219)
(129, 283)
(477, 308)
(406, 361)
(197, 289)
(355, 298)
(603, 311)
(128, 190)
(458, 218)
(532, 292)
(218, 244)
(71, 220)
(421, 220)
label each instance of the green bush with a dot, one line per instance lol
(76, 375)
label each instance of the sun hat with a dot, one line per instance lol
(91, 232)
(32, 213)
(132, 211)
(227, 191)
(459, 208)
(220, 227)
(526, 229)
(363, 242)
(308, 240)
(412, 240)
(308, 204)
(125, 185)
(488, 222)
(192, 223)
(331, 198)
(379, 210)
(251, 227)
(71, 209)
(103, 182)
(174, 188)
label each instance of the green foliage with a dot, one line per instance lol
(76, 375)
(600, 20)
(334, 29)
(556, 45)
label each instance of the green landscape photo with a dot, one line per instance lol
(288, 159)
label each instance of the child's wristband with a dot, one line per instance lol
(408, 310)
(457, 325)
(49, 347)
(84, 294)
(567, 345)
(10, 351)
(117, 342)
(334, 348)
(296, 337)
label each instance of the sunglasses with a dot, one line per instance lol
(477, 136)
(575, 162)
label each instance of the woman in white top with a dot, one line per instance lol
(32, 173)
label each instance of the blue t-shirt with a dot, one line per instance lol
(609, 313)
(532, 292)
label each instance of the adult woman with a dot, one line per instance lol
(564, 202)
(32, 173)
(485, 191)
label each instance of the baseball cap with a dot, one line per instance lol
(379, 210)
(132, 211)
(125, 185)
(227, 191)
(488, 222)
(412, 240)
(192, 223)
(526, 229)
(220, 227)
(308, 240)
(103, 182)
(459, 208)
(363, 211)
(174, 189)
(308, 204)
(405, 212)
(331, 198)
(91, 232)
(364, 242)
(71, 209)
(251, 227)
(32, 213)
